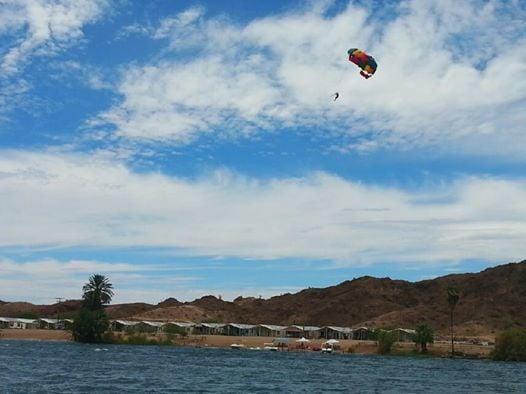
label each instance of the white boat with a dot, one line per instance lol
(326, 349)
(237, 346)
(271, 348)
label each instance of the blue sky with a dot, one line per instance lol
(187, 148)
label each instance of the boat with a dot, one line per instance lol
(237, 346)
(326, 349)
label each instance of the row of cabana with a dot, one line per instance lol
(43, 323)
(256, 330)
(231, 329)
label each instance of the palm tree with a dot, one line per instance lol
(97, 292)
(452, 299)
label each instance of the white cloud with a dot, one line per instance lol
(65, 200)
(182, 29)
(38, 28)
(448, 74)
(91, 76)
(42, 27)
(11, 93)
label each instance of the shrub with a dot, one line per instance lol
(373, 334)
(423, 336)
(510, 345)
(386, 340)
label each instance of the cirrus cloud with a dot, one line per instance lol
(39, 27)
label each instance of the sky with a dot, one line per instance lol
(185, 148)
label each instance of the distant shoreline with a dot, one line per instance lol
(439, 349)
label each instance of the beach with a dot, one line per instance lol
(36, 334)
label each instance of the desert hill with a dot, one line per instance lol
(490, 301)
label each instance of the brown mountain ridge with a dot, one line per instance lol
(491, 300)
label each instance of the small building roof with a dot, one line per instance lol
(406, 330)
(306, 328)
(182, 324)
(49, 321)
(273, 327)
(26, 321)
(242, 326)
(153, 323)
(211, 325)
(292, 328)
(362, 329)
(126, 322)
(344, 330)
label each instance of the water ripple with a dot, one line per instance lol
(28, 366)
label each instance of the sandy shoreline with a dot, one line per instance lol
(346, 346)
(44, 335)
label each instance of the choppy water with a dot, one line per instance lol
(31, 366)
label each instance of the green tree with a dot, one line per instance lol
(423, 336)
(510, 345)
(91, 322)
(97, 292)
(386, 341)
(89, 326)
(453, 297)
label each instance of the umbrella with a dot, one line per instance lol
(303, 340)
(332, 342)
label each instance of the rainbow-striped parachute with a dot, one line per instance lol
(364, 61)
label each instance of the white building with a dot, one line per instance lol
(51, 324)
(182, 326)
(241, 330)
(334, 332)
(271, 330)
(18, 323)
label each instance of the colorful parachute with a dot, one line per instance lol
(364, 61)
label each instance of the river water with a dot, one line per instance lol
(40, 366)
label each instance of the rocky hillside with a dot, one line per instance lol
(490, 300)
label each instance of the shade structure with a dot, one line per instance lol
(332, 342)
(303, 340)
